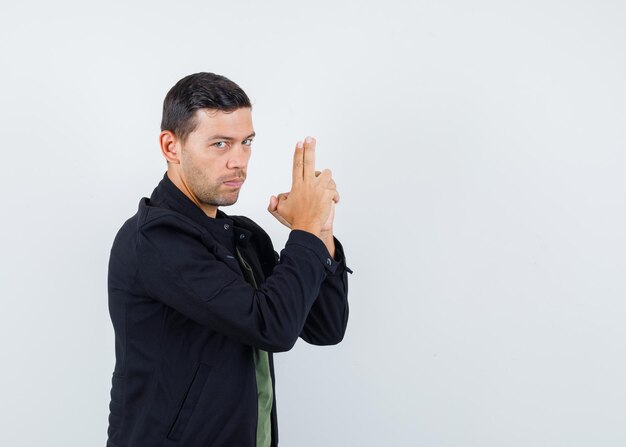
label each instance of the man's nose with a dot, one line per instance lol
(237, 157)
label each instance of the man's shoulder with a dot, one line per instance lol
(151, 216)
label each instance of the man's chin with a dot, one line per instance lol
(226, 201)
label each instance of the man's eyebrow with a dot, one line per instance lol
(224, 137)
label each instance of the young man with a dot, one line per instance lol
(200, 300)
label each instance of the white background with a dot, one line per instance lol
(479, 148)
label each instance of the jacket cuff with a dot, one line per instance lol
(315, 244)
(340, 258)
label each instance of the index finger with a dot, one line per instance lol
(298, 162)
(309, 157)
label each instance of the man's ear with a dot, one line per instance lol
(169, 146)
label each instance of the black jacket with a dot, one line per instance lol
(186, 321)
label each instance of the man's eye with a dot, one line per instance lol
(220, 144)
(247, 142)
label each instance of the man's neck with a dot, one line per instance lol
(209, 210)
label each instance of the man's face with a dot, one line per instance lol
(214, 157)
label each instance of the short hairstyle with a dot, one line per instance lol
(199, 91)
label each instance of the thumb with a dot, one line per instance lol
(273, 204)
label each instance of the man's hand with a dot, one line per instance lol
(272, 208)
(310, 205)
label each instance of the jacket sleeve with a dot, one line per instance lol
(178, 266)
(328, 318)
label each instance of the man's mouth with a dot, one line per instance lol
(234, 183)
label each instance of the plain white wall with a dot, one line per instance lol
(480, 151)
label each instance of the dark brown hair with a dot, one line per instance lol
(195, 92)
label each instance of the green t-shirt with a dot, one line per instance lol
(263, 379)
